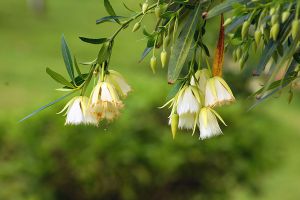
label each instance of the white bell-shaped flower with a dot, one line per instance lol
(187, 121)
(200, 79)
(217, 92)
(77, 112)
(189, 100)
(105, 102)
(118, 81)
(208, 123)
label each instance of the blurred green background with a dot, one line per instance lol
(134, 157)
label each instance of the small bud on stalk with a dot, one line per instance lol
(245, 29)
(257, 37)
(174, 124)
(145, 7)
(227, 21)
(295, 28)
(153, 64)
(285, 15)
(136, 26)
(274, 31)
(157, 12)
(164, 58)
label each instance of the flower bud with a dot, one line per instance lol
(174, 124)
(136, 26)
(274, 19)
(153, 64)
(166, 42)
(245, 29)
(227, 21)
(257, 36)
(145, 7)
(157, 11)
(272, 11)
(274, 31)
(295, 28)
(164, 58)
(285, 15)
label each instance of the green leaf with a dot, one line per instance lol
(224, 7)
(67, 57)
(176, 87)
(108, 19)
(110, 10)
(77, 67)
(46, 106)
(59, 78)
(182, 46)
(93, 41)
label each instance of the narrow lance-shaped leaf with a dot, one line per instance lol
(46, 106)
(219, 54)
(183, 45)
(110, 10)
(108, 19)
(59, 78)
(223, 7)
(67, 58)
(93, 40)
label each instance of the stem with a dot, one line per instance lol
(125, 24)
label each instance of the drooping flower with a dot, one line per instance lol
(201, 77)
(188, 100)
(78, 112)
(185, 106)
(118, 81)
(208, 123)
(217, 92)
(105, 102)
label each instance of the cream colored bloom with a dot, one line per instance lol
(187, 121)
(217, 92)
(201, 79)
(208, 123)
(105, 102)
(189, 100)
(118, 81)
(78, 113)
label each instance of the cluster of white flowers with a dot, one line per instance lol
(104, 102)
(193, 105)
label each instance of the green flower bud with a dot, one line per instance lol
(136, 26)
(295, 28)
(285, 15)
(157, 11)
(257, 37)
(245, 29)
(274, 31)
(174, 124)
(272, 11)
(145, 7)
(153, 64)
(227, 21)
(274, 19)
(166, 42)
(164, 58)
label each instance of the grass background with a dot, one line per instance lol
(29, 43)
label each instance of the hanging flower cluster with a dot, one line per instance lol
(104, 102)
(179, 37)
(193, 105)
